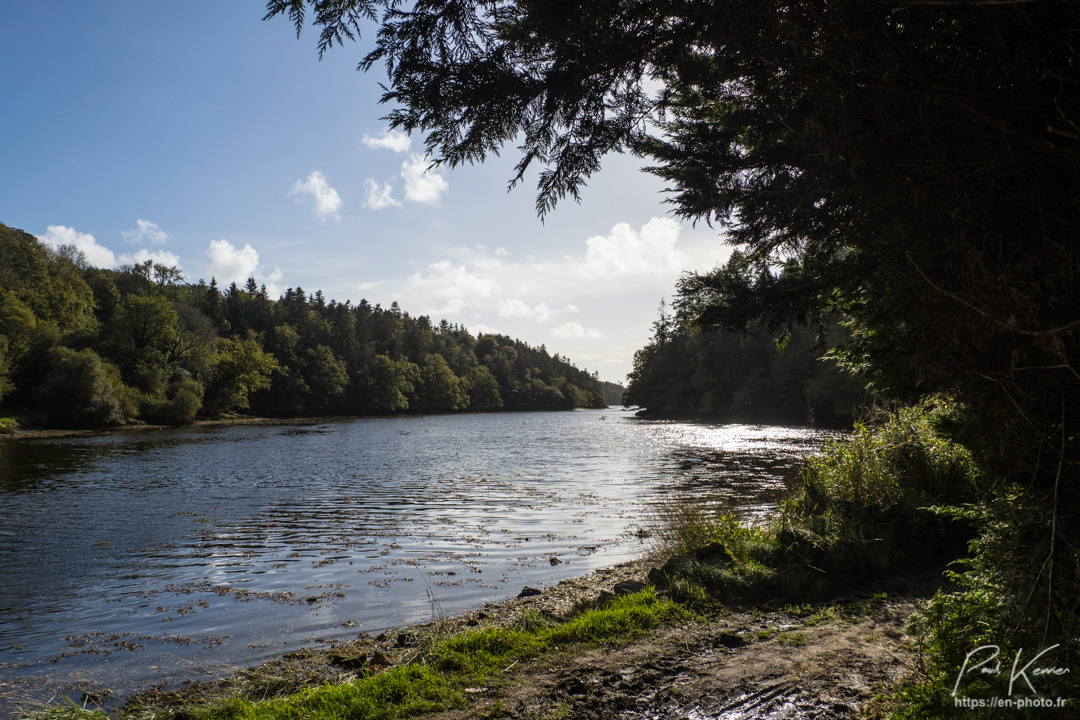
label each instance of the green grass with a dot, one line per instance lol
(470, 660)
(851, 611)
(8, 426)
(68, 710)
(794, 639)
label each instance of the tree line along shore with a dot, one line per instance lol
(84, 347)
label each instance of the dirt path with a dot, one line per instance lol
(734, 667)
(823, 662)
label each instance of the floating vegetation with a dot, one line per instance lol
(238, 594)
(211, 641)
(100, 643)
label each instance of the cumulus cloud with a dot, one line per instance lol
(365, 286)
(161, 257)
(481, 328)
(97, 255)
(146, 232)
(449, 288)
(626, 251)
(230, 264)
(422, 185)
(512, 307)
(394, 140)
(100, 256)
(573, 330)
(541, 312)
(326, 199)
(273, 283)
(378, 195)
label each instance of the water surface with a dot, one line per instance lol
(138, 558)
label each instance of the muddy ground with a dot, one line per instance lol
(807, 662)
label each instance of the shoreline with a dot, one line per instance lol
(823, 654)
(61, 433)
(316, 665)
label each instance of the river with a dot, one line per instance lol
(130, 559)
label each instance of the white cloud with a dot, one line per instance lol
(97, 255)
(365, 286)
(101, 256)
(626, 252)
(573, 330)
(145, 232)
(449, 288)
(161, 257)
(231, 265)
(478, 328)
(394, 140)
(327, 201)
(541, 312)
(273, 283)
(378, 195)
(594, 302)
(422, 185)
(512, 307)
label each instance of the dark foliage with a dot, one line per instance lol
(756, 377)
(910, 166)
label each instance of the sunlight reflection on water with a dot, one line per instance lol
(132, 559)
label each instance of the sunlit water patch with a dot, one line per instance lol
(134, 559)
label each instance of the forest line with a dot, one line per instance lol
(82, 346)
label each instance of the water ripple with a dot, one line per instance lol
(129, 557)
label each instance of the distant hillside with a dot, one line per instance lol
(86, 347)
(612, 392)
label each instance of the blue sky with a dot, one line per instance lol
(196, 134)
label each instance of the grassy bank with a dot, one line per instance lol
(452, 667)
(445, 672)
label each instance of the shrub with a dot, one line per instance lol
(178, 405)
(80, 390)
(868, 505)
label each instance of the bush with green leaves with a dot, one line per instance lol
(1017, 590)
(870, 504)
(82, 391)
(868, 500)
(176, 403)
